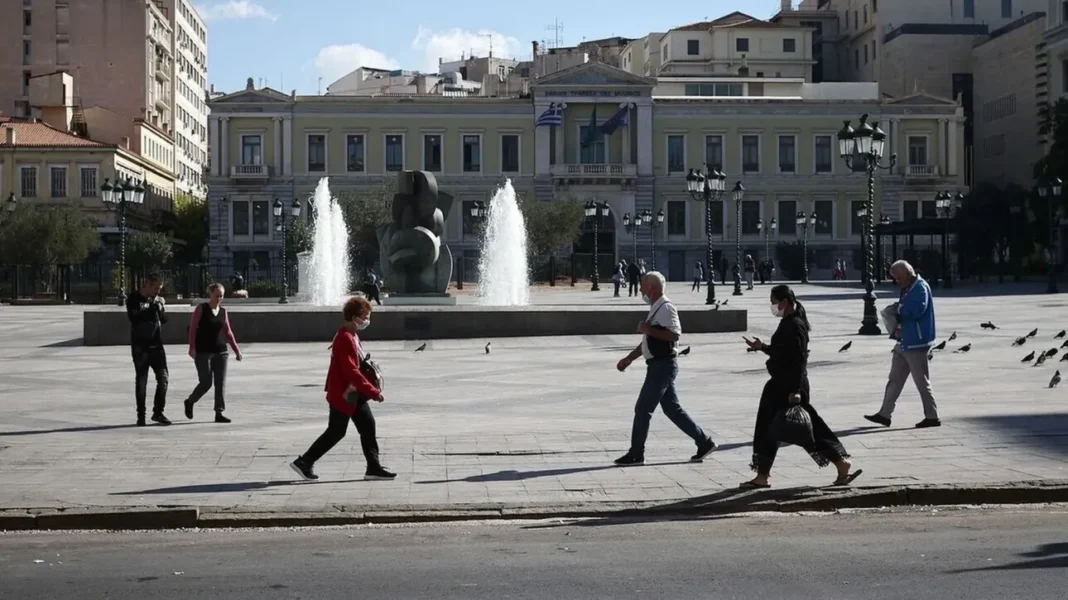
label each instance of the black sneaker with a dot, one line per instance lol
(303, 468)
(629, 460)
(924, 424)
(161, 419)
(703, 450)
(141, 421)
(219, 418)
(188, 409)
(379, 473)
(878, 419)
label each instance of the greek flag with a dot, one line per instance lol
(553, 117)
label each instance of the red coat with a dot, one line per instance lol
(344, 372)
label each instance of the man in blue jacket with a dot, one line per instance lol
(915, 334)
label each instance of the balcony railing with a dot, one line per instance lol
(921, 171)
(250, 172)
(594, 171)
(163, 70)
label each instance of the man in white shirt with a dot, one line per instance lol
(660, 335)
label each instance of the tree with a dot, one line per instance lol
(191, 226)
(148, 251)
(299, 237)
(365, 212)
(56, 234)
(553, 224)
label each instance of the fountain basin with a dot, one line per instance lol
(109, 326)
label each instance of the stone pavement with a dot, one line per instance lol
(537, 421)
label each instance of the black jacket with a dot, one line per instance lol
(788, 354)
(146, 320)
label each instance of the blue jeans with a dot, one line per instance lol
(659, 389)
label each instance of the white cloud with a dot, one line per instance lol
(451, 44)
(338, 60)
(235, 9)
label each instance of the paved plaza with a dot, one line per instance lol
(536, 421)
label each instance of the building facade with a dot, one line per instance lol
(777, 138)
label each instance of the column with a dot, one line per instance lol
(625, 132)
(225, 145)
(900, 147)
(645, 137)
(561, 135)
(942, 146)
(277, 146)
(214, 145)
(287, 145)
(891, 138)
(952, 143)
(541, 142)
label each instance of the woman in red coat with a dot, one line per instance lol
(348, 392)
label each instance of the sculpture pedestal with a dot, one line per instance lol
(419, 300)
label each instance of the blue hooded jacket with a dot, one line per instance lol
(916, 310)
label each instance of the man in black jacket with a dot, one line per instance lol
(147, 313)
(634, 273)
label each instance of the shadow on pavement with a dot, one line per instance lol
(1046, 556)
(217, 488)
(513, 475)
(66, 343)
(1044, 432)
(87, 428)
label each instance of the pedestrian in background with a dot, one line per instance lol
(698, 277)
(209, 334)
(750, 269)
(634, 273)
(147, 312)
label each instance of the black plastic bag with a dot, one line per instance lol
(793, 426)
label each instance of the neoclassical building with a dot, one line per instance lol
(774, 135)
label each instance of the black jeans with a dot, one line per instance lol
(156, 360)
(336, 428)
(632, 289)
(211, 368)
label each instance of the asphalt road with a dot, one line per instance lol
(959, 553)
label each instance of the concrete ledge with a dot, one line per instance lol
(109, 326)
(17, 521)
(104, 518)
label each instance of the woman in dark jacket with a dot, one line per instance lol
(788, 367)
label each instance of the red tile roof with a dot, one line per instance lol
(35, 134)
(735, 19)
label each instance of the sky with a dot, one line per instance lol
(308, 44)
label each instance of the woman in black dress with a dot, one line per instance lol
(788, 367)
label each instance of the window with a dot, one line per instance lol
(592, 153)
(468, 223)
(715, 89)
(676, 154)
(676, 217)
(856, 22)
(251, 150)
(865, 15)
(239, 217)
(25, 83)
(929, 209)
(317, 153)
(355, 153)
(88, 182)
(750, 154)
(787, 217)
(716, 206)
(789, 45)
(750, 217)
(395, 152)
(62, 52)
(432, 153)
(873, 54)
(787, 154)
(261, 217)
(823, 154)
(824, 210)
(874, 6)
(28, 182)
(911, 210)
(1064, 11)
(1006, 9)
(58, 179)
(741, 44)
(26, 52)
(1064, 76)
(714, 151)
(27, 22)
(693, 47)
(510, 153)
(856, 58)
(856, 223)
(865, 54)
(472, 153)
(62, 20)
(917, 150)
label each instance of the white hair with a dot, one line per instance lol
(903, 265)
(657, 278)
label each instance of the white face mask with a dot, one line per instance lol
(646, 299)
(777, 310)
(364, 325)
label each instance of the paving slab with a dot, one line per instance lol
(535, 423)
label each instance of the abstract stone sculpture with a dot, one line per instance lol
(414, 259)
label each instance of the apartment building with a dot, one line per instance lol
(190, 96)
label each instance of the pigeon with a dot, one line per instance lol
(1064, 358)
(964, 348)
(421, 348)
(726, 301)
(1055, 381)
(988, 325)
(847, 346)
(1020, 341)
(1041, 359)
(953, 336)
(1033, 333)
(684, 351)
(1060, 335)
(1029, 357)
(1065, 344)
(941, 346)
(487, 347)
(1051, 353)
(930, 356)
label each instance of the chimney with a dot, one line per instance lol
(534, 44)
(786, 6)
(125, 143)
(12, 136)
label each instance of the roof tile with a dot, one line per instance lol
(35, 134)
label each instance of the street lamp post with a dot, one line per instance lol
(738, 193)
(1051, 190)
(946, 204)
(478, 216)
(767, 229)
(283, 226)
(884, 221)
(118, 197)
(707, 186)
(631, 225)
(804, 223)
(595, 211)
(654, 224)
(867, 142)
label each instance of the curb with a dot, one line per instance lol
(719, 503)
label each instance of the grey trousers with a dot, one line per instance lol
(905, 363)
(211, 369)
